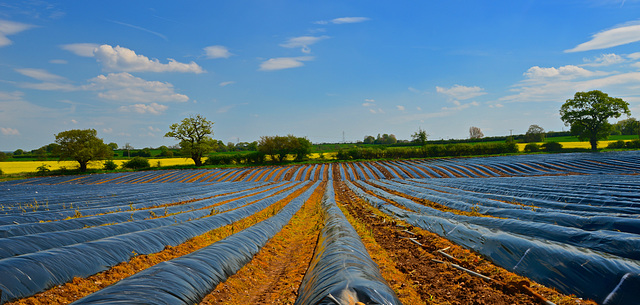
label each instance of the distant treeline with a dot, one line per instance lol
(427, 151)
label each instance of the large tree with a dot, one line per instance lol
(194, 135)
(82, 145)
(588, 112)
(420, 137)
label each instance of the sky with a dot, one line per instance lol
(329, 70)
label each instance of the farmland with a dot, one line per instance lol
(561, 228)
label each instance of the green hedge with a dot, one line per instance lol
(448, 150)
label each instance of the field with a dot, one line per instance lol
(524, 229)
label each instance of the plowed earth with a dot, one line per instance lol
(404, 254)
(435, 282)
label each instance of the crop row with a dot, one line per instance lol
(588, 249)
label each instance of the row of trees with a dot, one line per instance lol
(587, 114)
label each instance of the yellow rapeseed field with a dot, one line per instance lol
(15, 167)
(587, 145)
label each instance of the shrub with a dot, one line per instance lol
(633, 144)
(43, 169)
(552, 146)
(137, 163)
(219, 159)
(1, 172)
(532, 147)
(617, 144)
(109, 165)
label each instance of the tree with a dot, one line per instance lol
(420, 137)
(588, 113)
(534, 134)
(628, 126)
(475, 133)
(113, 145)
(194, 135)
(128, 148)
(369, 140)
(278, 147)
(82, 145)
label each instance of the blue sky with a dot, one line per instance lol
(319, 69)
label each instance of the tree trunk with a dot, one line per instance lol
(83, 166)
(197, 160)
(594, 144)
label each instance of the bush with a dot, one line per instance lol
(617, 144)
(219, 159)
(532, 147)
(634, 144)
(109, 165)
(552, 146)
(137, 163)
(1, 172)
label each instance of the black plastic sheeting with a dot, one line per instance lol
(19, 245)
(188, 279)
(573, 270)
(342, 272)
(124, 216)
(25, 275)
(617, 243)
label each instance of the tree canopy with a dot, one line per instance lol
(194, 134)
(278, 147)
(475, 133)
(588, 112)
(534, 134)
(420, 137)
(81, 145)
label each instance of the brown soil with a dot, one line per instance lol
(275, 273)
(435, 282)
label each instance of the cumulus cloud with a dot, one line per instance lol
(10, 28)
(280, 63)
(126, 60)
(368, 102)
(303, 42)
(9, 131)
(564, 72)
(400, 107)
(153, 108)
(605, 60)
(621, 35)
(344, 20)
(128, 88)
(217, 52)
(459, 106)
(460, 92)
(227, 83)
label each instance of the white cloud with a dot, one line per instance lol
(280, 63)
(344, 20)
(461, 92)
(460, 106)
(81, 49)
(610, 38)
(225, 109)
(10, 28)
(227, 83)
(107, 130)
(126, 60)
(302, 42)
(153, 108)
(634, 56)
(58, 61)
(400, 107)
(217, 52)
(50, 81)
(40, 74)
(128, 88)
(349, 20)
(605, 60)
(7, 131)
(564, 72)
(154, 129)
(368, 102)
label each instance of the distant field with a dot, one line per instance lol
(15, 167)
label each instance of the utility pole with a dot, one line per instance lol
(343, 140)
